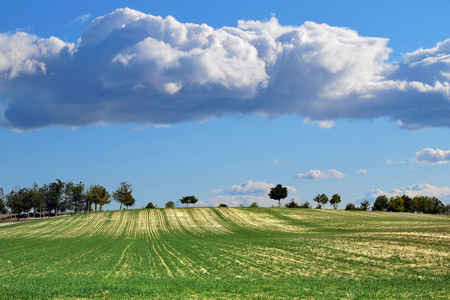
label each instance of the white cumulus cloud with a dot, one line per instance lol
(433, 156)
(129, 66)
(318, 174)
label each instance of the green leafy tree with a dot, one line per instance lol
(365, 205)
(52, 194)
(254, 204)
(223, 205)
(123, 195)
(98, 195)
(3, 209)
(170, 204)
(396, 204)
(380, 203)
(350, 206)
(37, 200)
(13, 201)
(446, 209)
(20, 201)
(188, 200)
(150, 205)
(278, 192)
(321, 200)
(408, 203)
(76, 198)
(335, 200)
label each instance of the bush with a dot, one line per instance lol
(223, 205)
(170, 204)
(305, 205)
(254, 204)
(150, 205)
(351, 206)
(291, 204)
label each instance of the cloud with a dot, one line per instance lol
(318, 174)
(443, 193)
(134, 67)
(394, 162)
(83, 18)
(362, 171)
(246, 193)
(321, 124)
(433, 156)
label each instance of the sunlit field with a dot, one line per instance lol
(228, 253)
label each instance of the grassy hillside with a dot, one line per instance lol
(227, 253)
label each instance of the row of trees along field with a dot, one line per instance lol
(404, 203)
(55, 197)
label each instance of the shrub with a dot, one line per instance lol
(223, 205)
(150, 205)
(350, 206)
(291, 204)
(170, 204)
(305, 205)
(254, 204)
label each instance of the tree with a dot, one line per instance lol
(188, 200)
(335, 200)
(446, 209)
(170, 204)
(20, 200)
(396, 204)
(3, 209)
(350, 206)
(278, 192)
(380, 203)
(76, 198)
(150, 205)
(98, 195)
(223, 205)
(52, 194)
(123, 195)
(37, 199)
(254, 204)
(321, 200)
(365, 205)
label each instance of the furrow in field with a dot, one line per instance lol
(169, 272)
(120, 260)
(173, 222)
(259, 220)
(209, 220)
(184, 218)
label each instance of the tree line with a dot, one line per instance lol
(404, 203)
(58, 197)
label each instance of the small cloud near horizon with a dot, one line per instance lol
(424, 189)
(318, 174)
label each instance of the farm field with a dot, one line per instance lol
(228, 253)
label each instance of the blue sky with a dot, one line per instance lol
(343, 97)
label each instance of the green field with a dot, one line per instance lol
(230, 253)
